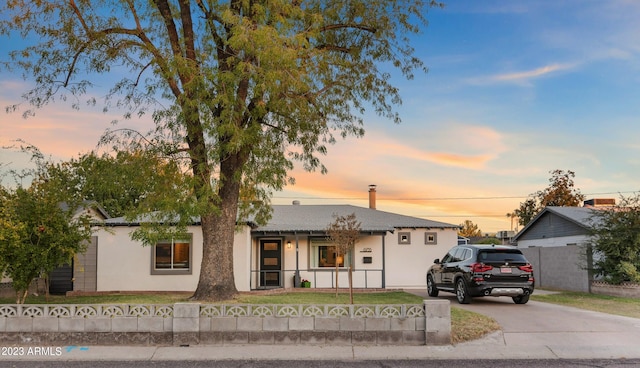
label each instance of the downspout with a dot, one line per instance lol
(383, 262)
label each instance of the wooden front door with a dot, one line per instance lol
(270, 263)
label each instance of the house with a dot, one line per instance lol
(394, 251)
(61, 279)
(555, 227)
(554, 242)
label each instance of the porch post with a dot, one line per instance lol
(296, 276)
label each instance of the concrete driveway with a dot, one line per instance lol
(543, 324)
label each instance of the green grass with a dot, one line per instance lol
(103, 299)
(629, 307)
(392, 297)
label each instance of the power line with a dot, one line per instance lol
(433, 198)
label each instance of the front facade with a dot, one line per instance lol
(393, 251)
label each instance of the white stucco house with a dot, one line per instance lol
(394, 251)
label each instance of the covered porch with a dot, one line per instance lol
(286, 260)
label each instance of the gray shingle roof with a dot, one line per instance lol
(316, 218)
(579, 215)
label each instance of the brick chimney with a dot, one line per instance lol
(600, 202)
(372, 196)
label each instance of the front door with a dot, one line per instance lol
(270, 263)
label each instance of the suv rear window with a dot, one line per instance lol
(501, 256)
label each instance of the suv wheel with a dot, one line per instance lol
(432, 290)
(461, 292)
(521, 299)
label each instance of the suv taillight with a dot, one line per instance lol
(526, 268)
(480, 267)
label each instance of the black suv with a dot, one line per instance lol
(482, 270)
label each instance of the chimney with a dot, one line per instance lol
(600, 202)
(372, 196)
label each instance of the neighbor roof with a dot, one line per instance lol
(316, 218)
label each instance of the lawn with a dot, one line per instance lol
(629, 307)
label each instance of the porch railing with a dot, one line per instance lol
(319, 278)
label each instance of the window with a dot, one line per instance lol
(449, 257)
(171, 256)
(457, 255)
(404, 238)
(431, 238)
(323, 254)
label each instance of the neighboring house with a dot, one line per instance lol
(63, 278)
(394, 251)
(67, 277)
(556, 227)
(553, 242)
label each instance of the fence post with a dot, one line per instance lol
(438, 322)
(186, 324)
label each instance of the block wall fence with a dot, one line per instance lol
(184, 324)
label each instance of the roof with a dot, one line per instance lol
(581, 216)
(86, 205)
(145, 218)
(316, 218)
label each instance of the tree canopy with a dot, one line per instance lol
(469, 230)
(560, 192)
(123, 183)
(239, 90)
(615, 241)
(42, 226)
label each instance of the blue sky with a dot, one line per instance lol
(515, 89)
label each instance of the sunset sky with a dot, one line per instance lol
(515, 89)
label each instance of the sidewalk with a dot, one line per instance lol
(490, 347)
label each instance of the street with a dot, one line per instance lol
(569, 363)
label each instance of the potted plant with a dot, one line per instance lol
(305, 283)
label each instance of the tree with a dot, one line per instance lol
(239, 90)
(469, 230)
(615, 241)
(124, 183)
(527, 210)
(343, 233)
(489, 240)
(40, 228)
(560, 192)
(511, 215)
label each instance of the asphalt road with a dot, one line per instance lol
(332, 364)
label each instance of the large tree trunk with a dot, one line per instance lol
(217, 280)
